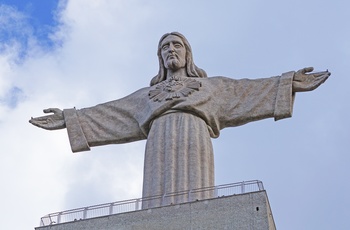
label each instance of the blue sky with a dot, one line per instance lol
(84, 52)
(38, 17)
(39, 14)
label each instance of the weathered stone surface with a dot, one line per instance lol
(238, 212)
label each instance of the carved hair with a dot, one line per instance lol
(191, 68)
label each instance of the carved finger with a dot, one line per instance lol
(319, 74)
(40, 119)
(47, 110)
(322, 79)
(51, 110)
(36, 123)
(318, 82)
(307, 70)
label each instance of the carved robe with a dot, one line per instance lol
(178, 117)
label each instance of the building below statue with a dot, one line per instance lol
(248, 210)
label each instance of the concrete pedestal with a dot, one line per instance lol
(236, 212)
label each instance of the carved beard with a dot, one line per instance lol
(173, 64)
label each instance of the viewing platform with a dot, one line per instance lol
(242, 205)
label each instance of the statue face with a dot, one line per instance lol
(173, 52)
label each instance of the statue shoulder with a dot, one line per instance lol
(218, 80)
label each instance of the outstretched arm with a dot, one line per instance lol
(304, 81)
(50, 122)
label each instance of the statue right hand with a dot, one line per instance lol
(50, 122)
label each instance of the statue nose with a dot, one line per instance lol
(171, 48)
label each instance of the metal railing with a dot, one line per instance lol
(138, 204)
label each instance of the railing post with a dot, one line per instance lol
(44, 219)
(85, 213)
(111, 209)
(51, 222)
(242, 187)
(59, 217)
(260, 185)
(216, 191)
(137, 204)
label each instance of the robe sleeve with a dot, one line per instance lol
(113, 122)
(248, 100)
(284, 97)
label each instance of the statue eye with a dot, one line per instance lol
(165, 47)
(177, 45)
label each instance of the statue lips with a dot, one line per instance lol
(172, 56)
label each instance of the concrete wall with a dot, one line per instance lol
(245, 211)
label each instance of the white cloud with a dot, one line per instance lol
(38, 171)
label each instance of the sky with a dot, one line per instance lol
(81, 53)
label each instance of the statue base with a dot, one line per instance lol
(236, 212)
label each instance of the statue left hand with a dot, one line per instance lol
(305, 81)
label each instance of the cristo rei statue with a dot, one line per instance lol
(178, 114)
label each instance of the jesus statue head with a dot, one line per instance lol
(170, 56)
